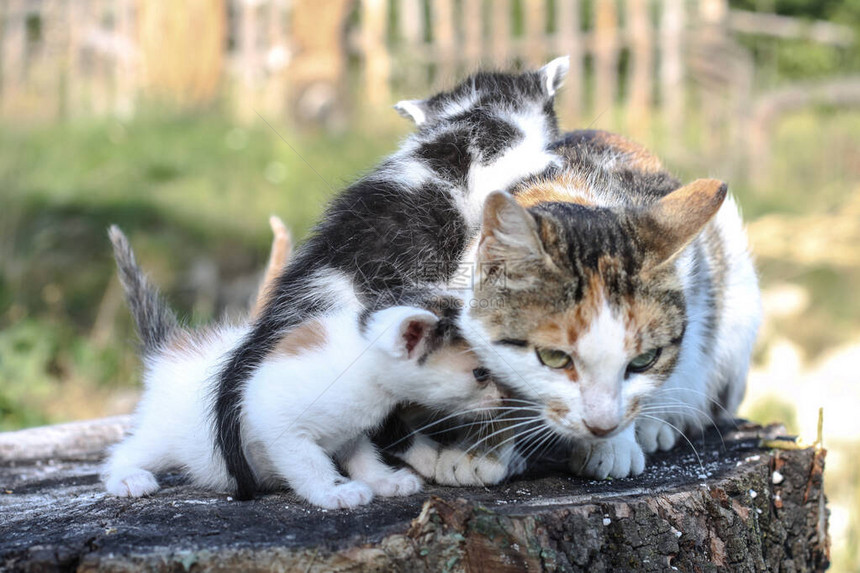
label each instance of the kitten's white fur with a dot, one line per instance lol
(299, 412)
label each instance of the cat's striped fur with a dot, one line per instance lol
(610, 261)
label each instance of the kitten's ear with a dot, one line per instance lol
(674, 221)
(415, 109)
(402, 331)
(508, 231)
(553, 74)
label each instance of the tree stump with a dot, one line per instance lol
(746, 507)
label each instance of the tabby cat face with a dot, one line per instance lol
(593, 311)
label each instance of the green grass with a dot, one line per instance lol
(184, 189)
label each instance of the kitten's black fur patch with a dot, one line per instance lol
(385, 233)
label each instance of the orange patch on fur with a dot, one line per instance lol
(309, 336)
(567, 188)
(557, 410)
(562, 330)
(637, 156)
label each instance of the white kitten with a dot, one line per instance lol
(310, 403)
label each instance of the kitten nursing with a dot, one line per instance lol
(405, 223)
(623, 310)
(310, 403)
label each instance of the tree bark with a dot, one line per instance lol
(744, 508)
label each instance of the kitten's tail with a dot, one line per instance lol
(154, 319)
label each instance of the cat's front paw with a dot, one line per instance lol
(653, 436)
(458, 468)
(343, 496)
(616, 457)
(132, 483)
(400, 483)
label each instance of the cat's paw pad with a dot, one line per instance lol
(458, 468)
(344, 496)
(134, 483)
(617, 458)
(655, 436)
(400, 483)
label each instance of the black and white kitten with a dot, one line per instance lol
(406, 223)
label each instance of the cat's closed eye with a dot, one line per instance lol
(644, 361)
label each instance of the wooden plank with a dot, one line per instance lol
(778, 26)
(473, 32)
(444, 44)
(568, 35)
(377, 63)
(641, 70)
(671, 67)
(605, 57)
(535, 13)
(277, 55)
(126, 88)
(501, 24)
(13, 53)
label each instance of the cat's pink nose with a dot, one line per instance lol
(600, 432)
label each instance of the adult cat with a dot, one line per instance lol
(629, 302)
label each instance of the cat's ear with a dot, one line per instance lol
(669, 225)
(415, 109)
(553, 74)
(508, 231)
(402, 331)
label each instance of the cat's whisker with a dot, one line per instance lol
(506, 428)
(683, 435)
(707, 396)
(685, 409)
(539, 443)
(519, 435)
(470, 425)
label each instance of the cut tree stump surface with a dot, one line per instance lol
(744, 508)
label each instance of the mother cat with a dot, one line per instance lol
(629, 302)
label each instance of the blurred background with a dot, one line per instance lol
(188, 122)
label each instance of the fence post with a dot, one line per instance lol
(473, 31)
(377, 66)
(671, 68)
(13, 49)
(442, 17)
(711, 42)
(605, 56)
(535, 31)
(569, 41)
(318, 65)
(501, 15)
(642, 68)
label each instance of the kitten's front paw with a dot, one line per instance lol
(423, 460)
(457, 468)
(617, 457)
(344, 496)
(132, 483)
(400, 483)
(653, 436)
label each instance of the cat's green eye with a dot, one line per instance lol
(553, 358)
(644, 361)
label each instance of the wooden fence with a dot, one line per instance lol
(635, 64)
